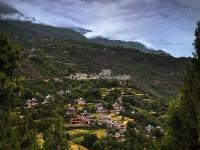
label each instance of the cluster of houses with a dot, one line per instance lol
(81, 101)
(83, 119)
(119, 128)
(100, 118)
(100, 109)
(104, 75)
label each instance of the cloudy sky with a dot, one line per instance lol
(161, 24)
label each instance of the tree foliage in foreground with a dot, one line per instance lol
(14, 131)
(9, 63)
(184, 116)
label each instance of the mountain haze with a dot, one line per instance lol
(13, 20)
(6, 9)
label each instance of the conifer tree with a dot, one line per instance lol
(9, 63)
(184, 116)
(12, 133)
(55, 138)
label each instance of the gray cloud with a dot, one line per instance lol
(161, 24)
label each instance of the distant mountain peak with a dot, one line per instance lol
(7, 9)
(80, 30)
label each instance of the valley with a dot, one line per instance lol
(65, 93)
(76, 93)
(109, 111)
(99, 75)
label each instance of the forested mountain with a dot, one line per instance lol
(30, 30)
(31, 27)
(59, 58)
(54, 46)
(130, 44)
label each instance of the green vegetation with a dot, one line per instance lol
(24, 30)
(49, 58)
(52, 52)
(49, 120)
(18, 129)
(9, 62)
(184, 116)
(15, 133)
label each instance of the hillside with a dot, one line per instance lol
(30, 30)
(51, 58)
(13, 20)
(51, 52)
(130, 44)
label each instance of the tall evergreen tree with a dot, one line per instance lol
(14, 133)
(55, 138)
(184, 116)
(9, 63)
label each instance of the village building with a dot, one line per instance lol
(79, 76)
(149, 128)
(81, 101)
(100, 108)
(105, 72)
(133, 112)
(50, 97)
(104, 75)
(58, 80)
(85, 113)
(93, 120)
(104, 119)
(67, 92)
(119, 100)
(45, 102)
(120, 127)
(71, 110)
(118, 108)
(32, 103)
(79, 121)
(119, 137)
(61, 92)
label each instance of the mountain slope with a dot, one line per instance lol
(13, 21)
(56, 52)
(30, 30)
(130, 44)
(55, 58)
(6, 9)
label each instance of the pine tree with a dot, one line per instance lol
(9, 63)
(55, 138)
(184, 116)
(12, 133)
